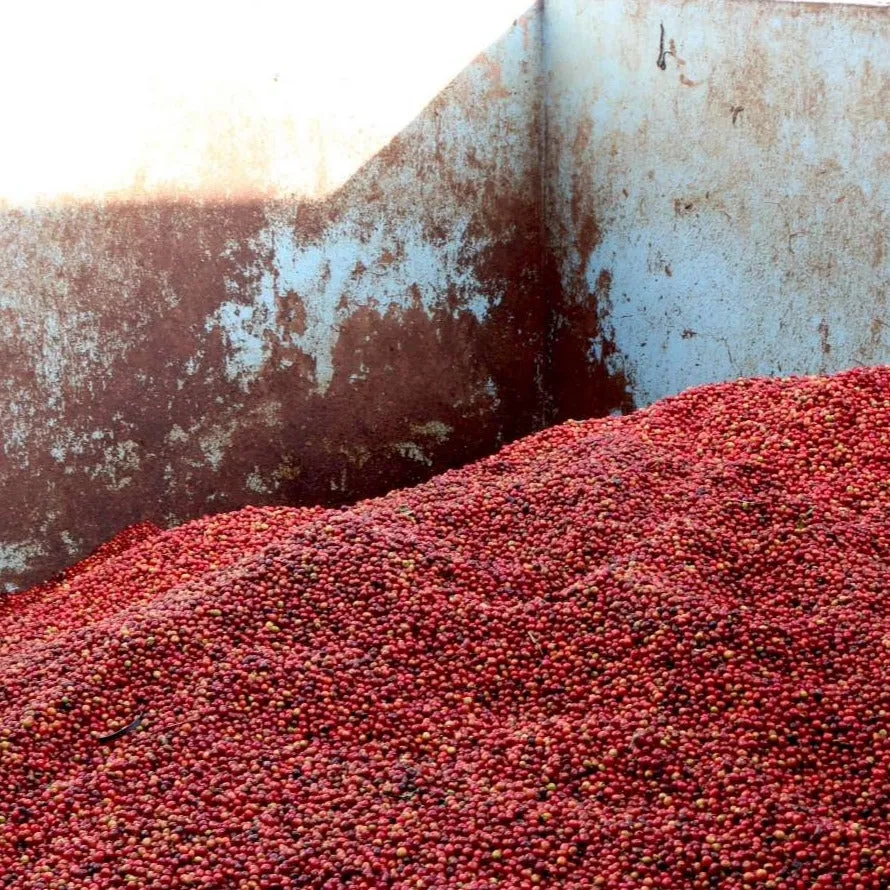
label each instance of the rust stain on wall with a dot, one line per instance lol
(164, 359)
(582, 379)
(581, 382)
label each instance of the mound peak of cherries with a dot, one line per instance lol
(639, 652)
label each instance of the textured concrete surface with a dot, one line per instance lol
(718, 192)
(169, 352)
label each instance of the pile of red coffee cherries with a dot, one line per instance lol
(650, 651)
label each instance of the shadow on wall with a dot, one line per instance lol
(164, 359)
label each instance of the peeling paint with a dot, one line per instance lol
(433, 429)
(120, 460)
(244, 328)
(254, 482)
(352, 260)
(72, 544)
(214, 443)
(18, 557)
(412, 451)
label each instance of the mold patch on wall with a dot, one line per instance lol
(160, 359)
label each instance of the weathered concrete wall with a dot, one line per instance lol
(307, 262)
(717, 199)
(220, 332)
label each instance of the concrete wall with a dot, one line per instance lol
(322, 252)
(717, 199)
(297, 262)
